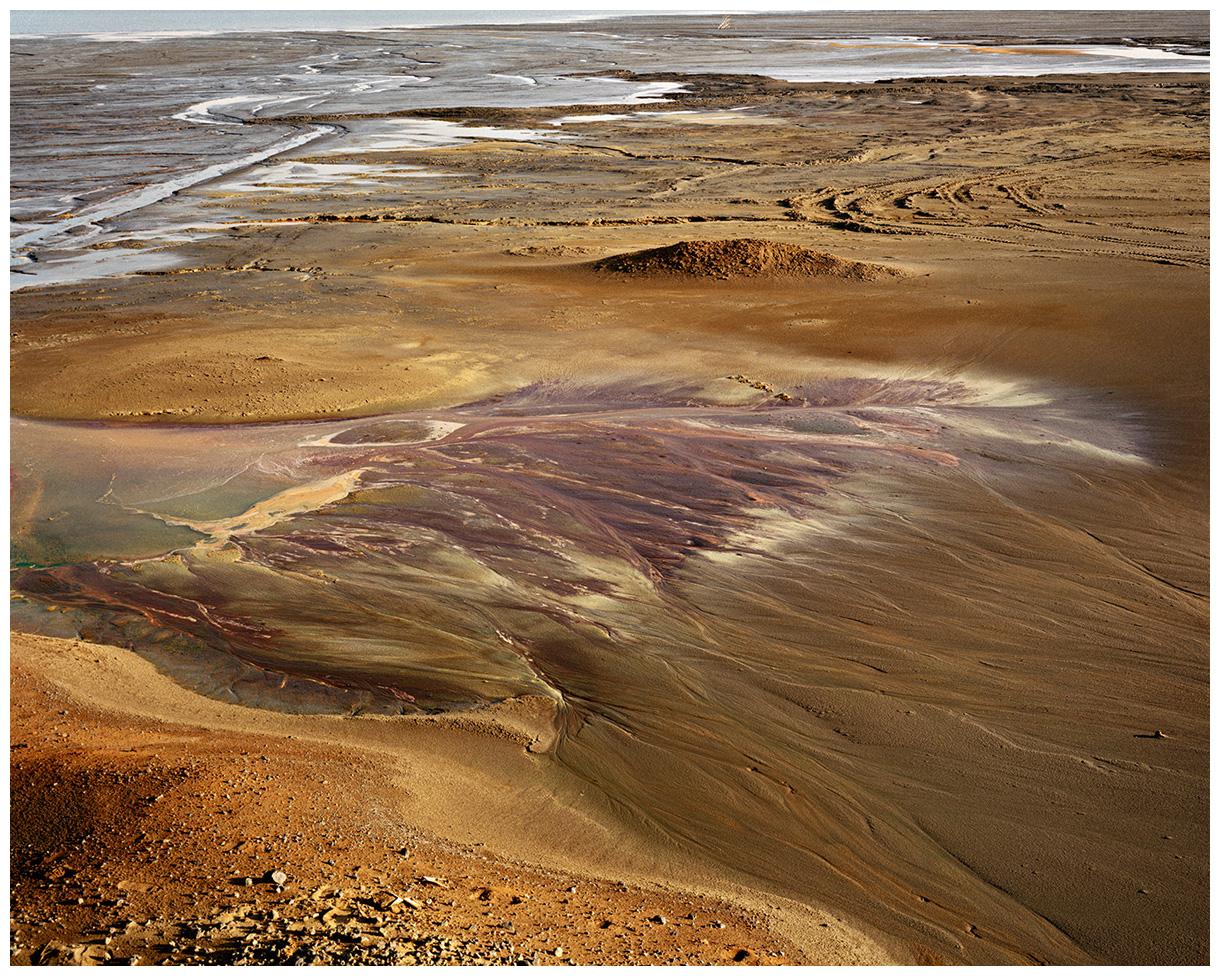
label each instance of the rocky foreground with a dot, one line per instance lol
(156, 842)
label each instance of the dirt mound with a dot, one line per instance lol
(740, 258)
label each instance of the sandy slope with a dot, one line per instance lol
(148, 804)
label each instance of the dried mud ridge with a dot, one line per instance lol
(740, 258)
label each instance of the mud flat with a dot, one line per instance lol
(810, 517)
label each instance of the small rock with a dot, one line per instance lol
(68, 954)
(277, 878)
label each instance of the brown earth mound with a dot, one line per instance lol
(740, 258)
